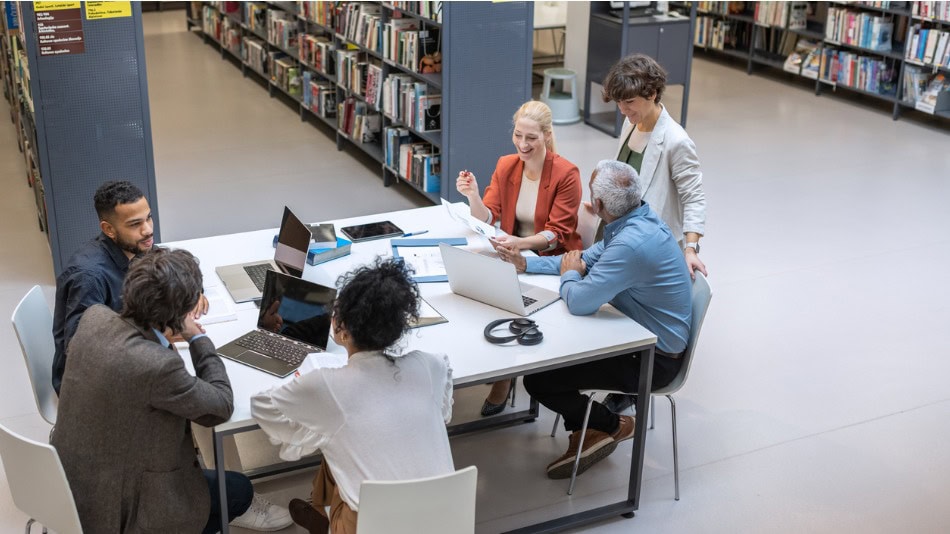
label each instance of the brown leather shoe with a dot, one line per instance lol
(304, 514)
(624, 429)
(597, 446)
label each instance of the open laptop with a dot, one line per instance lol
(492, 281)
(245, 281)
(294, 321)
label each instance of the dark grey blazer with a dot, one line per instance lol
(123, 429)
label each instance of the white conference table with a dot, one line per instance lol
(568, 339)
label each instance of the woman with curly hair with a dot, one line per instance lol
(380, 417)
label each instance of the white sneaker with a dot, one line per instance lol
(263, 515)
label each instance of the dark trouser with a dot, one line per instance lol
(559, 390)
(240, 492)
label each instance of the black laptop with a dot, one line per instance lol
(294, 321)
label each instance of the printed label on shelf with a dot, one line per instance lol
(55, 6)
(59, 29)
(108, 10)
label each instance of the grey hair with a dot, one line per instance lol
(617, 185)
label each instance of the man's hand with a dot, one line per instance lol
(202, 307)
(513, 256)
(189, 330)
(572, 261)
(693, 263)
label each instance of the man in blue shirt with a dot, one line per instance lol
(95, 272)
(639, 269)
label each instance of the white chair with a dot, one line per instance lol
(587, 224)
(702, 294)
(33, 324)
(38, 484)
(444, 504)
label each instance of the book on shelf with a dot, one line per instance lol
(928, 45)
(850, 69)
(797, 15)
(796, 61)
(932, 10)
(861, 29)
(927, 92)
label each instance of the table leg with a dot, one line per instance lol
(218, 440)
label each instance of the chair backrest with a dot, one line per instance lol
(33, 324)
(587, 224)
(702, 294)
(444, 504)
(38, 483)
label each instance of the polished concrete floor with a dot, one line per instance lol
(818, 401)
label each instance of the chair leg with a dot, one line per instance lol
(29, 525)
(580, 445)
(652, 412)
(557, 417)
(676, 456)
(514, 389)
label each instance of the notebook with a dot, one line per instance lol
(294, 321)
(245, 281)
(493, 282)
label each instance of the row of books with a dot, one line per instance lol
(791, 15)
(211, 22)
(254, 54)
(358, 121)
(255, 16)
(929, 45)
(361, 76)
(407, 47)
(721, 34)
(319, 96)
(859, 29)
(231, 35)
(282, 29)
(318, 52)
(926, 92)
(419, 163)
(724, 8)
(775, 41)
(285, 73)
(428, 9)
(323, 13)
(805, 60)
(933, 10)
(869, 73)
(408, 101)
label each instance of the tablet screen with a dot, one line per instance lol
(376, 230)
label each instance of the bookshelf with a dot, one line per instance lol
(868, 48)
(76, 130)
(363, 70)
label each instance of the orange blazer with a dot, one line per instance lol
(559, 197)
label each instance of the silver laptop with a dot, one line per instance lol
(245, 281)
(294, 321)
(492, 281)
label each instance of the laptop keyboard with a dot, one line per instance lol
(258, 274)
(527, 300)
(275, 347)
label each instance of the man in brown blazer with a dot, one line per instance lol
(123, 430)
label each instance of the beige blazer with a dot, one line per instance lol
(670, 178)
(123, 430)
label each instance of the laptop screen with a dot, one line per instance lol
(293, 243)
(296, 308)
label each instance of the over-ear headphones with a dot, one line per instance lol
(524, 330)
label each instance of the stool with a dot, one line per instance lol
(563, 105)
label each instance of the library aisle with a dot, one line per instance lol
(818, 400)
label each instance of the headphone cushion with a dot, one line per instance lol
(531, 336)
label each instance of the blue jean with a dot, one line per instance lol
(240, 492)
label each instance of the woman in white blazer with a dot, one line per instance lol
(660, 150)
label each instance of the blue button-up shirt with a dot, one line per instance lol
(639, 269)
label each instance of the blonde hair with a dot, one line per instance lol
(540, 113)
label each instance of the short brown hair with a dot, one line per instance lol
(633, 76)
(161, 288)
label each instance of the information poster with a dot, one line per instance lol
(108, 10)
(59, 28)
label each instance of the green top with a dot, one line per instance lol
(628, 156)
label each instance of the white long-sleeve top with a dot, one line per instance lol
(373, 419)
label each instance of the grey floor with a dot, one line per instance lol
(818, 401)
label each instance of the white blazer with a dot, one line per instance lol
(670, 179)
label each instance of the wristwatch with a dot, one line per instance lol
(692, 245)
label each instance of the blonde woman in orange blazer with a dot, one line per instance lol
(534, 194)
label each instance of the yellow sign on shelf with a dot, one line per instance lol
(107, 10)
(55, 6)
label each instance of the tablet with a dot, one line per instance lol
(376, 230)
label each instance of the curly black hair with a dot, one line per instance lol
(161, 287)
(376, 303)
(111, 194)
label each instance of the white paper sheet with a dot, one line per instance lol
(220, 307)
(461, 213)
(426, 261)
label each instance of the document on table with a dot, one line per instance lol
(425, 261)
(220, 307)
(461, 213)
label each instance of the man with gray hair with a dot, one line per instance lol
(639, 269)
